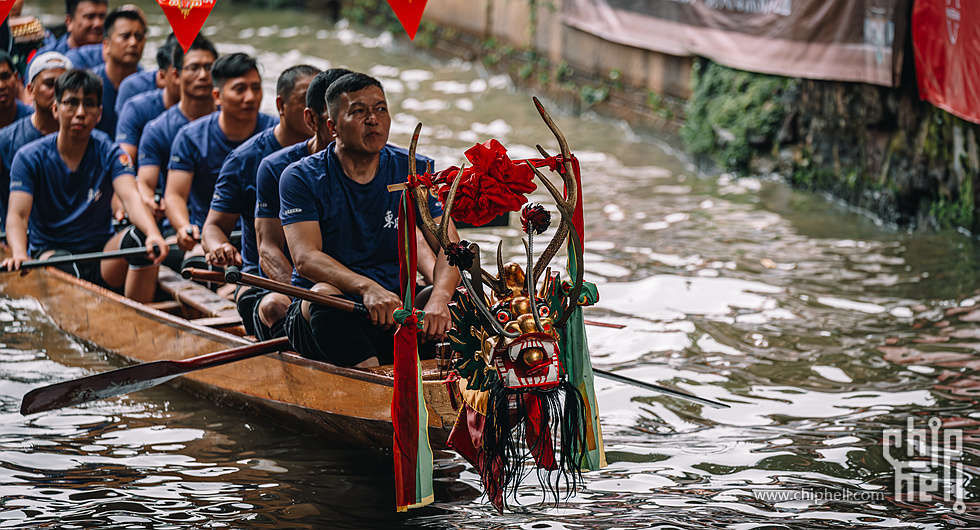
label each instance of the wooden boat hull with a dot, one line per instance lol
(348, 405)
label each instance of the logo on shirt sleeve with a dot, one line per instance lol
(127, 162)
(291, 211)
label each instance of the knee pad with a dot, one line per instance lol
(196, 262)
(133, 238)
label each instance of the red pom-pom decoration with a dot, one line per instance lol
(460, 255)
(535, 219)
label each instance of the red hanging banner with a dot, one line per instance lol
(186, 18)
(946, 40)
(409, 13)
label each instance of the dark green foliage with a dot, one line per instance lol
(733, 115)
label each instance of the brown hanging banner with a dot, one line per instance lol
(409, 13)
(186, 18)
(839, 40)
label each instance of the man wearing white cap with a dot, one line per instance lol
(41, 74)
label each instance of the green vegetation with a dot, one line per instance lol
(733, 115)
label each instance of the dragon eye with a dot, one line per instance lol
(503, 316)
(543, 311)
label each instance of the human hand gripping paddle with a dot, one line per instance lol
(233, 275)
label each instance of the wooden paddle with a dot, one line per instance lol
(233, 275)
(80, 258)
(138, 377)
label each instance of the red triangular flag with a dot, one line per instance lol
(7, 5)
(186, 18)
(409, 13)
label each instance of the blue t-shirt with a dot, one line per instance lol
(109, 94)
(234, 192)
(12, 138)
(135, 85)
(72, 209)
(61, 46)
(358, 222)
(267, 183)
(108, 122)
(85, 57)
(136, 114)
(201, 147)
(23, 110)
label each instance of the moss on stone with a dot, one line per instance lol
(733, 115)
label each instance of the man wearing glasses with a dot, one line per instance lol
(193, 73)
(41, 76)
(61, 187)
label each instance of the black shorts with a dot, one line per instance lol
(248, 307)
(338, 337)
(90, 271)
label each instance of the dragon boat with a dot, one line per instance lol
(516, 394)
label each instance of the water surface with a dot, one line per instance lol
(819, 326)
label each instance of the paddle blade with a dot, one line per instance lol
(99, 386)
(134, 378)
(661, 389)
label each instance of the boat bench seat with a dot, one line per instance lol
(197, 301)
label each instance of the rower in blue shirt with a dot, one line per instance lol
(274, 260)
(41, 74)
(341, 226)
(193, 74)
(200, 148)
(61, 187)
(137, 112)
(11, 108)
(125, 36)
(84, 20)
(233, 201)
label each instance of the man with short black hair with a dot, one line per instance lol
(62, 184)
(11, 108)
(234, 195)
(148, 80)
(274, 261)
(137, 112)
(341, 226)
(41, 76)
(84, 20)
(192, 72)
(200, 148)
(125, 36)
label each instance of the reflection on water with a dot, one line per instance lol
(819, 327)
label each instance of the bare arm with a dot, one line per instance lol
(18, 211)
(178, 190)
(147, 178)
(305, 245)
(214, 238)
(271, 242)
(125, 189)
(438, 321)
